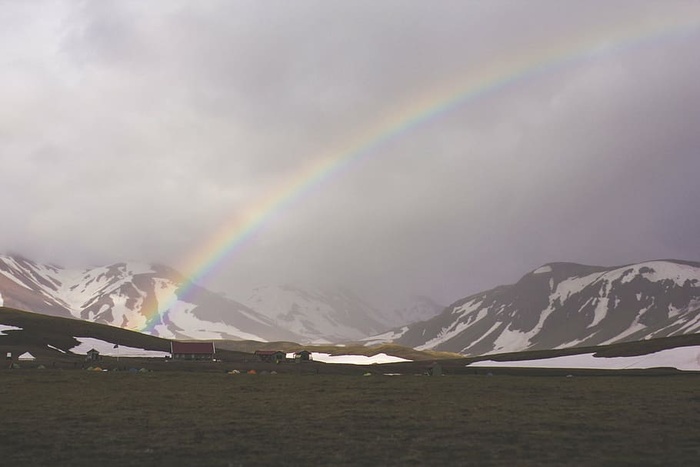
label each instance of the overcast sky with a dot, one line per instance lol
(135, 130)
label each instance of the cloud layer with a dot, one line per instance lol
(136, 130)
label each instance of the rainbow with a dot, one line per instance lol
(241, 228)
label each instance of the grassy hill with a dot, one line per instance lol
(39, 331)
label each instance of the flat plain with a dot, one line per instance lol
(81, 418)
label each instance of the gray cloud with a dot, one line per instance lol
(132, 130)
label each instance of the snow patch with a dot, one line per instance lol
(511, 341)
(600, 310)
(681, 358)
(356, 359)
(110, 349)
(55, 348)
(5, 327)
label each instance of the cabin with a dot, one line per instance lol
(93, 356)
(270, 356)
(302, 356)
(200, 351)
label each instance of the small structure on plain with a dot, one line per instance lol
(192, 350)
(26, 357)
(302, 356)
(270, 356)
(93, 355)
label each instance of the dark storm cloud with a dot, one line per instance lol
(134, 130)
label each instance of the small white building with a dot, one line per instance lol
(26, 357)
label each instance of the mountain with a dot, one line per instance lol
(414, 309)
(562, 305)
(126, 295)
(317, 315)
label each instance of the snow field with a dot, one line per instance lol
(109, 349)
(356, 359)
(681, 358)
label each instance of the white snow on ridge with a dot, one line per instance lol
(573, 285)
(356, 359)
(543, 270)
(5, 327)
(681, 358)
(679, 273)
(108, 349)
(1, 300)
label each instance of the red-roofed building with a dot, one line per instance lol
(192, 350)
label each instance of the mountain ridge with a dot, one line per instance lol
(126, 295)
(557, 305)
(561, 305)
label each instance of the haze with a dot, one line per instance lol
(136, 130)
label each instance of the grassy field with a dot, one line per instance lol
(64, 417)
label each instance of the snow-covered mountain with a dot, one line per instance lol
(565, 305)
(335, 314)
(318, 315)
(127, 295)
(413, 309)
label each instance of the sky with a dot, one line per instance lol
(478, 139)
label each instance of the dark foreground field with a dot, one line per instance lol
(61, 417)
